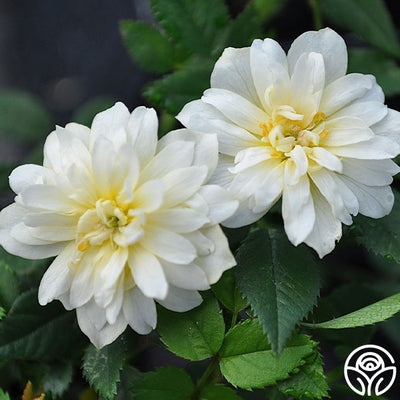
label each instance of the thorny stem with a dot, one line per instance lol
(202, 382)
(316, 14)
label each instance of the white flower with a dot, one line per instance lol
(296, 126)
(130, 220)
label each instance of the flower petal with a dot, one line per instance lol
(180, 300)
(298, 210)
(370, 112)
(150, 196)
(190, 277)
(147, 273)
(326, 159)
(326, 42)
(389, 126)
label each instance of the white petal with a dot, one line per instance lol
(50, 219)
(377, 148)
(327, 187)
(220, 259)
(109, 121)
(57, 278)
(178, 219)
(202, 244)
(232, 72)
(10, 217)
(23, 234)
(374, 202)
(370, 112)
(222, 177)
(269, 68)
(147, 273)
(178, 154)
(103, 157)
(182, 183)
(326, 159)
(346, 130)
(329, 44)
(327, 228)
(237, 109)
(307, 82)
(298, 210)
(112, 271)
(104, 336)
(221, 204)
(190, 277)
(344, 91)
(52, 233)
(205, 150)
(149, 197)
(249, 157)
(243, 216)
(27, 175)
(139, 311)
(389, 126)
(114, 308)
(181, 300)
(370, 172)
(142, 133)
(168, 245)
(299, 158)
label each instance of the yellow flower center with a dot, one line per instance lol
(286, 129)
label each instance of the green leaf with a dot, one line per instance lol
(86, 112)
(196, 334)
(227, 292)
(371, 314)
(219, 392)
(9, 286)
(4, 395)
(369, 19)
(280, 281)
(381, 236)
(246, 27)
(248, 361)
(195, 24)
(23, 117)
(33, 332)
(57, 379)
(101, 367)
(175, 90)
(385, 69)
(268, 9)
(309, 382)
(129, 375)
(2, 313)
(164, 384)
(148, 46)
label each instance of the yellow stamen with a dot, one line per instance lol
(83, 246)
(274, 154)
(319, 117)
(324, 133)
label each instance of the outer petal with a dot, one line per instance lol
(298, 210)
(327, 229)
(181, 300)
(389, 126)
(232, 72)
(190, 277)
(329, 44)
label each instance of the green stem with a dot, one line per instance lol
(234, 319)
(204, 378)
(318, 24)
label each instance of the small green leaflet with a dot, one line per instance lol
(4, 395)
(308, 382)
(219, 392)
(196, 334)
(369, 19)
(164, 384)
(248, 361)
(280, 281)
(9, 286)
(101, 367)
(376, 312)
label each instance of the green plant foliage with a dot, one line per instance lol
(129, 375)
(4, 395)
(219, 392)
(23, 117)
(268, 9)
(368, 19)
(280, 281)
(372, 314)
(228, 293)
(381, 236)
(9, 286)
(86, 112)
(57, 379)
(384, 68)
(33, 332)
(138, 37)
(101, 367)
(309, 382)
(248, 361)
(196, 334)
(164, 384)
